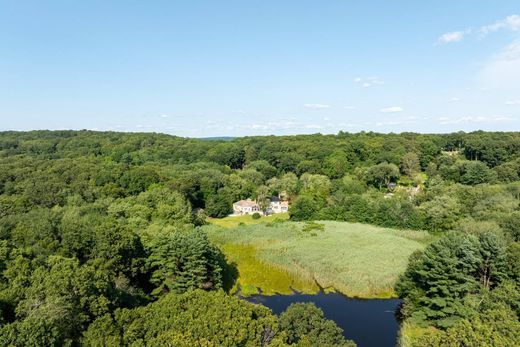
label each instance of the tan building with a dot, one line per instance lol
(250, 206)
(245, 207)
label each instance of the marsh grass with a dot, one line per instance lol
(256, 275)
(355, 259)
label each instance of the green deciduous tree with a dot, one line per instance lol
(475, 172)
(197, 317)
(410, 164)
(381, 175)
(441, 213)
(304, 323)
(304, 208)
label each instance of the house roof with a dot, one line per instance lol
(246, 203)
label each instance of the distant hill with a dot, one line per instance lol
(218, 138)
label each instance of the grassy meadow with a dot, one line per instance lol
(355, 259)
(234, 221)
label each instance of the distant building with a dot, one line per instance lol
(245, 207)
(276, 205)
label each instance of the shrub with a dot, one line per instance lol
(310, 226)
(256, 215)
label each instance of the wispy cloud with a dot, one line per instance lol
(503, 70)
(349, 107)
(509, 23)
(455, 99)
(392, 109)
(367, 82)
(472, 119)
(513, 102)
(454, 36)
(316, 106)
(164, 116)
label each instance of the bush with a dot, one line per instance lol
(310, 226)
(256, 215)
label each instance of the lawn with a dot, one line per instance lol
(234, 221)
(355, 259)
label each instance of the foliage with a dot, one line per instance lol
(185, 261)
(93, 223)
(381, 175)
(304, 321)
(57, 302)
(437, 281)
(410, 164)
(303, 208)
(194, 318)
(497, 327)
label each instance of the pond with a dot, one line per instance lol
(369, 322)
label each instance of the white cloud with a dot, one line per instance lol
(455, 99)
(367, 82)
(349, 125)
(313, 126)
(454, 36)
(392, 109)
(503, 70)
(164, 116)
(472, 119)
(349, 107)
(394, 122)
(510, 23)
(513, 102)
(267, 126)
(316, 106)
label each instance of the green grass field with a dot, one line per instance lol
(355, 259)
(231, 222)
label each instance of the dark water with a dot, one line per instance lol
(369, 322)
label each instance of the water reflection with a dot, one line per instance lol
(369, 322)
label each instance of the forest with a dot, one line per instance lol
(102, 237)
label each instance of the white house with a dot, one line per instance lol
(245, 207)
(277, 206)
(250, 206)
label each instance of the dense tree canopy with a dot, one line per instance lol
(98, 229)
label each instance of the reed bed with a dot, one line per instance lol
(355, 259)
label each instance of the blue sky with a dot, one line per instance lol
(214, 68)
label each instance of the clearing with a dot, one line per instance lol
(357, 260)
